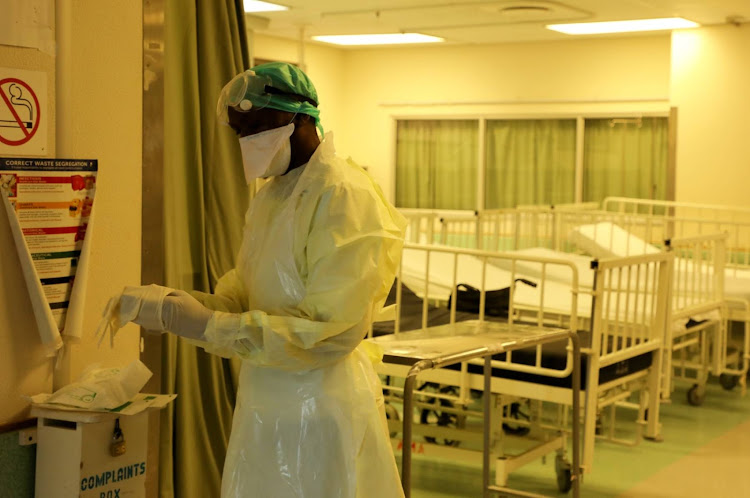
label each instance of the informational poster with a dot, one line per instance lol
(53, 201)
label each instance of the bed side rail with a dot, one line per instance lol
(630, 305)
(626, 233)
(502, 229)
(738, 311)
(684, 219)
(459, 231)
(698, 283)
(737, 243)
(423, 225)
(715, 212)
(434, 272)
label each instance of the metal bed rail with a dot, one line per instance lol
(738, 313)
(501, 230)
(627, 318)
(683, 219)
(486, 352)
(451, 263)
(423, 225)
(697, 288)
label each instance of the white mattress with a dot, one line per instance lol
(607, 240)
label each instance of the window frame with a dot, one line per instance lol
(580, 117)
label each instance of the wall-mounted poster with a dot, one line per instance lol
(49, 203)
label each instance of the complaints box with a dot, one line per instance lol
(74, 457)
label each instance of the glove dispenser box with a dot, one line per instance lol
(91, 455)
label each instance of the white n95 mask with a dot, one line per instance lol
(267, 153)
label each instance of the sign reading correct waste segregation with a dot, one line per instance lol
(52, 200)
(23, 112)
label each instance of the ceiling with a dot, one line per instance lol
(476, 22)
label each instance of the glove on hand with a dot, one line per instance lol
(184, 315)
(155, 308)
(142, 305)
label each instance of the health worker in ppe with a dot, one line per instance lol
(319, 254)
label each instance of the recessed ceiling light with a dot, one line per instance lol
(378, 39)
(594, 28)
(258, 6)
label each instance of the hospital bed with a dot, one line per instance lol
(447, 345)
(685, 219)
(621, 344)
(709, 252)
(696, 335)
(614, 234)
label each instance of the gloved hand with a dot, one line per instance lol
(155, 308)
(184, 315)
(142, 305)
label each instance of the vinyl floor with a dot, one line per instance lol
(705, 453)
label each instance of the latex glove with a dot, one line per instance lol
(142, 305)
(184, 315)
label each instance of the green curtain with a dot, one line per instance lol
(205, 197)
(625, 158)
(530, 162)
(436, 164)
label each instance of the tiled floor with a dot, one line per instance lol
(705, 453)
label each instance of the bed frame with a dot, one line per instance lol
(549, 227)
(625, 326)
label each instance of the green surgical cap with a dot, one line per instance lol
(290, 79)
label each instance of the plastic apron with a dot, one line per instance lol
(320, 251)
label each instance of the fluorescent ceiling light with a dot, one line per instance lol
(258, 6)
(594, 28)
(380, 39)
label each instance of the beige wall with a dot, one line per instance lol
(102, 120)
(710, 87)
(377, 80)
(95, 86)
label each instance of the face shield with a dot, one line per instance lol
(245, 91)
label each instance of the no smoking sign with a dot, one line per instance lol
(23, 96)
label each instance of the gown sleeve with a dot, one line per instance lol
(353, 248)
(228, 296)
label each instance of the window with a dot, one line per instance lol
(529, 161)
(625, 158)
(437, 164)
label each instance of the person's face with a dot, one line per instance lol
(257, 120)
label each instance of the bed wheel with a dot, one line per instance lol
(391, 414)
(728, 382)
(696, 395)
(562, 470)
